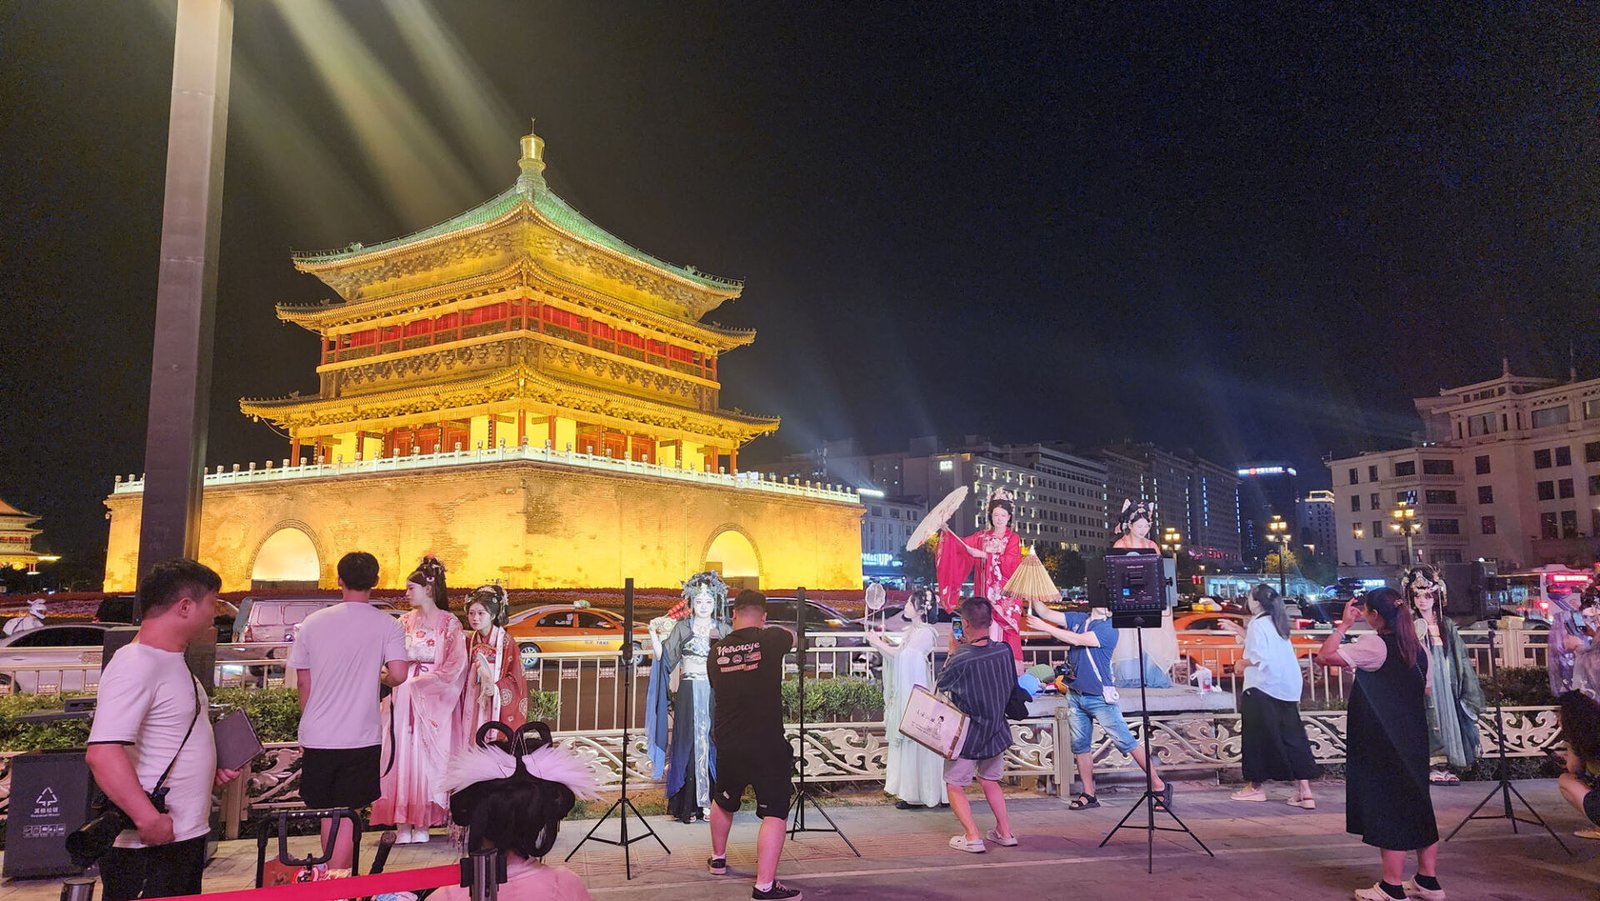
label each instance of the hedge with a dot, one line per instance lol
(834, 700)
(275, 712)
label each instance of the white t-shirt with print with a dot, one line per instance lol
(147, 700)
(345, 647)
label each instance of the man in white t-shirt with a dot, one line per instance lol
(151, 725)
(339, 656)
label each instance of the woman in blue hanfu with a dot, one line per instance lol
(678, 719)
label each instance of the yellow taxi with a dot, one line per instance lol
(563, 628)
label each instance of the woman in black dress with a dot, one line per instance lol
(1386, 773)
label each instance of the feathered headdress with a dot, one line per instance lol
(487, 773)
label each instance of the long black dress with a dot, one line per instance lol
(1387, 800)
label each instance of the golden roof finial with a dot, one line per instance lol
(532, 162)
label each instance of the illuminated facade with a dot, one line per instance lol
(16, 538)
(520, 344)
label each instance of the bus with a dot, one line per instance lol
(1528, 593)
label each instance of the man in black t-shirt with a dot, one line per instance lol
(746, 670)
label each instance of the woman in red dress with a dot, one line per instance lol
(991, 556)
(497, 687)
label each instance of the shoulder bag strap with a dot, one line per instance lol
(194, 684)
(1089, 652)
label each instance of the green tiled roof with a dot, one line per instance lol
(557, 211)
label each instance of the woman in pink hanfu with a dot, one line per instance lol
(423, 738)
(991, 556)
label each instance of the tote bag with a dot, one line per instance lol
(933, 722)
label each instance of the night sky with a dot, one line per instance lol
(1254, 233)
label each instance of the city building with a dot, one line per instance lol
(1266, 489)
(887, 525)
(1197, 497)
(1315, 525)
(530, 398)
(1507, 471)
(16, 538)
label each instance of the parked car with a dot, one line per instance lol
(277, 619)
(63, 646)
(118, 611)
(819, 618)
(1203, 640)
(562, 628)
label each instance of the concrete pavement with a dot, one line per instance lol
(1263, 850)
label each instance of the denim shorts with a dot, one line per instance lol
(1088, 709)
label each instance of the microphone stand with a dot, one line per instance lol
(1503, 784)
(802, 793)
(624, 804)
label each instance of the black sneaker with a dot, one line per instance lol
(778, 892)
(717, 865)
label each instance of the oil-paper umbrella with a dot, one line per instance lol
(1031, 582)
(936, 518)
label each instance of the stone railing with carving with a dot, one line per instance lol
(858, 752)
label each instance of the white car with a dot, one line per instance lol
(69, 647)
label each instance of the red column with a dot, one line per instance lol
(522, 427)
(733, 460)
(294, 451)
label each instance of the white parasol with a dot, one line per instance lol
(936, 518)
(875, 599)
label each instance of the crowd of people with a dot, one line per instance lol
(422, 758)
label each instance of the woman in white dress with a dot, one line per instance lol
(915, 774)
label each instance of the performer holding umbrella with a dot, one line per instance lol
(991, 557)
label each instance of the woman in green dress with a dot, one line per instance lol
(1456, 698)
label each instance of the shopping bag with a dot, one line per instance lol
(933, 722)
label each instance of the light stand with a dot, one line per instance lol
(624, 804)
(1503, 776)
(1133, 583)
(802, 793)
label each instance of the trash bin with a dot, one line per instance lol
(49, 799)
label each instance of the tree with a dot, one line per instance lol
(1269, 563)
(1319, 568)
(918, 565)
(1065, 566)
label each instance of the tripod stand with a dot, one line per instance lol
(1149, 798)
(802, 793)
(1503, 777)
(623, 804)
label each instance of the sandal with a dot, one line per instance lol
(1303, 803)
(1164, 798)
(1083, 801)
(1245, 794)
(1443, 777)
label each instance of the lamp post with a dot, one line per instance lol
(1279, 534)
(1404, 522)
(1172, 542)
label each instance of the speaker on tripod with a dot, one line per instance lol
(1135, 589)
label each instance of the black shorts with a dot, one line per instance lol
(1591, 805)
(767, 772)
(340, 777)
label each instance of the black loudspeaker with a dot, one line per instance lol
(1136, 589)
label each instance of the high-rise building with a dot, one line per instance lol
(1316, 526)
(1266, 489)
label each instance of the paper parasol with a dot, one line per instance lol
(1031, 582)
(936, 518)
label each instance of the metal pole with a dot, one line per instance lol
(186, 294)
(78, 888)
(488, 871)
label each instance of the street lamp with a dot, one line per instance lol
(1405, 522)
(1279, 534)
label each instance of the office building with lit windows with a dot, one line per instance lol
(1508, 470)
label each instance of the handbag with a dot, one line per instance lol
(1107, 690)
(932, 721)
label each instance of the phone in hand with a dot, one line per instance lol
(955, 628)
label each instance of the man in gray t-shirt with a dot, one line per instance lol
(340, 656)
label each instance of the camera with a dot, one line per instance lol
(1067, 671)
(93, 839)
